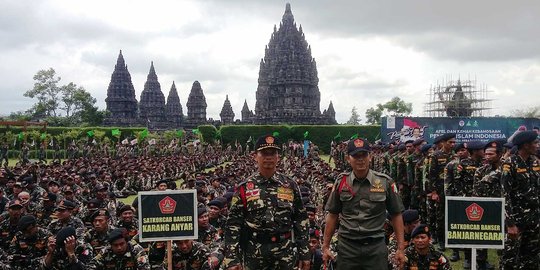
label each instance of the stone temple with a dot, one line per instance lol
(288, 91)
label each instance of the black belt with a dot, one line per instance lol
(264, 238)
(367, 241)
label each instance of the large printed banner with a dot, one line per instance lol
(473, 222)
(168, 215)
(467, 129)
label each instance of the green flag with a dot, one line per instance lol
(338, 136)
(180, 133)
(355, 136)
(143, 134)
(90, 133)
(21, 136)
(275, 134)
(116, 132)
(306, 134)
(196, 131)
(43, 136)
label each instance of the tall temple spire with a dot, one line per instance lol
(196, 106)
(152, 106)
(227, 113)
(288, 89)
(247, 115)
(121, 102)
(173, 109)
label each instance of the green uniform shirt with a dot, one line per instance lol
(362, 204)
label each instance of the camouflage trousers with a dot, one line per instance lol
(431, 216)
(522, 253)
(405, 193)
(270, 256)
(440, 212)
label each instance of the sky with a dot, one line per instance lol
(366, 51)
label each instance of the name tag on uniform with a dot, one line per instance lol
(536, 168)
(285, 194)
(521, 170)
(506, 167)
(253, 194)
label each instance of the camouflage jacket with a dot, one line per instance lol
(76, 223)
(487, 182)
(434, 260)
(135, 258)
(43, 215)
(7, 232)
(60, 260)
(97, 240)
(272, 206)
(392, 248)
(196, 259)
(520, 179)
(26, 251)
(459, 177)
(132, 228)
(437, 163)
(208, 236)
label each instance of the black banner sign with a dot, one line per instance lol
(167, 215)
(473, 222)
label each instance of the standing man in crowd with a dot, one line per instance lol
(520, 179)
(360, 199)
(266, 213)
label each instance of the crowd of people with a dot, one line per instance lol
(271, 207)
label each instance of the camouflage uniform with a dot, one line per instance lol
(487, 182)
(436, 210)
(132, 228)
(134, 258)
(404, 178)
(435, 260)
(196, 259)
(459, 177)
(392, 249)
(8, 229)
(76, 223)
(262, 216)
(419, 188)
(60, 259)
(97, 240)
(26, 252)
(520, 179)
(208, 236)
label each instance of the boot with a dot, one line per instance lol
(455, 255)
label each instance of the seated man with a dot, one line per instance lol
(422, 255)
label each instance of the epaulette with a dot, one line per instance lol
(384, 175)
(338, 178)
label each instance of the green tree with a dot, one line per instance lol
(75, 99)
(395, 107)
(47, 92)
(530, 112)
(355, 117)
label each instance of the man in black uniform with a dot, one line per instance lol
(361, 199)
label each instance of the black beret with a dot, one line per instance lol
(53, 182)
(228, 195)
(100, 213)
(217, 203)
(410, 215)
(421, 229)
(66, 204)
(267, 141)
(162, 181)
(418, 142)
(498, 144)
(508, 145)
(201, 183)
(50, 197)
(27, 180)
(201, 210)
(310, 207)
(124, 208)
(15, 203)
(475, 145)
(99, 187)
(357, 145)
(116, 234)
(93, 204)
(444, 137)
(525, 137)
(459, 146)
(314, 233)
(408, 141)
(63, 234)
(425, 148)
(401, 147)
(25, 222)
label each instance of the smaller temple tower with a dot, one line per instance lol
(247, 115)
(152, 106)
(330, 114)
(227, 114)
(196, 107)
(173, 109)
